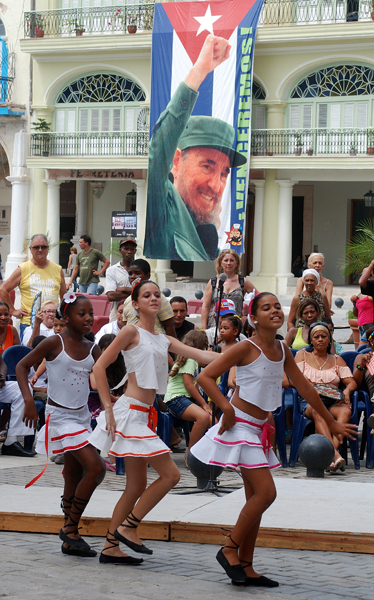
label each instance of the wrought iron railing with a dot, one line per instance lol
(284, 142)
(6, 80)
(107, 143)
(95, 20)
(104, 20)
(311, 12)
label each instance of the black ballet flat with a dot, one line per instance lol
(140, 548)
(119, 560)
(90, 553)
(261, 581)
(235, 572)
(79, 544)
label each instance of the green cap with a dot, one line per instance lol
(210, 132)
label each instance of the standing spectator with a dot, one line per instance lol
(87, 263)
(31, 277)
(71, 265)
(43, 324)
(117, 277)
(179, 308)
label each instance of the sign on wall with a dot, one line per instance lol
(123, 224)
(4, 220)
(202, 58)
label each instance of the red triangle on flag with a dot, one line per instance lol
(182, 17)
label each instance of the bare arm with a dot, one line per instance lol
(248, 286)
(73, 275)
(365, 275)
(36, 329)
(362, 360)
(121, 293)
(169, 327)
(292, 316)
(329, 288)
(10, 284)
(299, 286)
(307, 391)
(291, 334)
(213, 53)
(16, 340)
(326, 305)
(201, 356)
(193, 391)
(62, 285)
(103, 268)
(207, 301)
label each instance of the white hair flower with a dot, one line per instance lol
(69, 297)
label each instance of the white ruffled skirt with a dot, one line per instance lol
(247, 444)
(67, 430)
(133, 436)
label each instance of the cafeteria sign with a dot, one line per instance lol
(123, 224)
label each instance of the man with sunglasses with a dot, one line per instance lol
(31, 277)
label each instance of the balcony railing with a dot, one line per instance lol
(90, 144)
(320, 142)
(6, 76)
(96, 20)
(106, 20)
(312, 12)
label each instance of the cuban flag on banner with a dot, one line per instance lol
(179, 32)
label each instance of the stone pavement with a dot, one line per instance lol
(33, 567)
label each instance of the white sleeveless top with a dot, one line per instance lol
(260, 382)
(149, 361)
(68, 379)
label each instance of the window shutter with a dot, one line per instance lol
(307, 116)
(95, 119)
(349, 110)
(362, 114)
(130, 118)
(71, 121)
(84, 119)
(260, 117)
(105, 119)
(294, 116)
(60, 121)
(322, 115)
(116, 119)
(335, 116)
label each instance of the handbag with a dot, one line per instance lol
(328, 394)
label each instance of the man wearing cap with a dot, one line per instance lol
(183, 214)
(117, 279)
(87, 263)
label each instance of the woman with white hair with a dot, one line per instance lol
(310, 279)
(316, 261)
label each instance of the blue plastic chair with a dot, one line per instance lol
(364, 351)
(12, 356)
(280, 423)
(299, 423)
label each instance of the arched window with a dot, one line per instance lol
(335, 97)
(259, 111)
(101, 102)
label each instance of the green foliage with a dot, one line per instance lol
(360, 251)
(41, 125)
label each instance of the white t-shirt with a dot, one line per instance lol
(108, 328)
(116, 276)
(43, 331)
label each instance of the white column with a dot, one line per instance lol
(163, 272)
(53, 218)
(20, 196)
(284, 253)
(80, 211)
(257, 225)
(141, 210)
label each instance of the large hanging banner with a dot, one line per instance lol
(202, 59)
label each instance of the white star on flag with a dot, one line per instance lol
(206, 22)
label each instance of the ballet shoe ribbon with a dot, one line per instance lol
(46, 438)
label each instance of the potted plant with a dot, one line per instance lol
(370, 148)
(353, 323)
(132, 19)
(298, 144)
(352, 150)
(309, 151)
(41, 126)
(74, 25)
(38, 26)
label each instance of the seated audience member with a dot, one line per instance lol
(11, 394)
(336, 348)
(227, 308)
(316, 261)
(361, 374)
(43, 324)
(311, 279)
(179, 307)
(140, 270)
(326, 372)
(310, 312)
(363, 309)
(114, 327)
(8, 334)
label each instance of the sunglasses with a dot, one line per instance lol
(39, 247)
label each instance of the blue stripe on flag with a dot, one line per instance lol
(204, 101)
(162, 56)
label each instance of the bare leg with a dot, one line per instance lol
(342, 414)
(202, 421)
(262, 494)
(84, 471)
(321, 427)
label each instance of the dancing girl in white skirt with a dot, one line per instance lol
(128, 429)
(241, 438)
